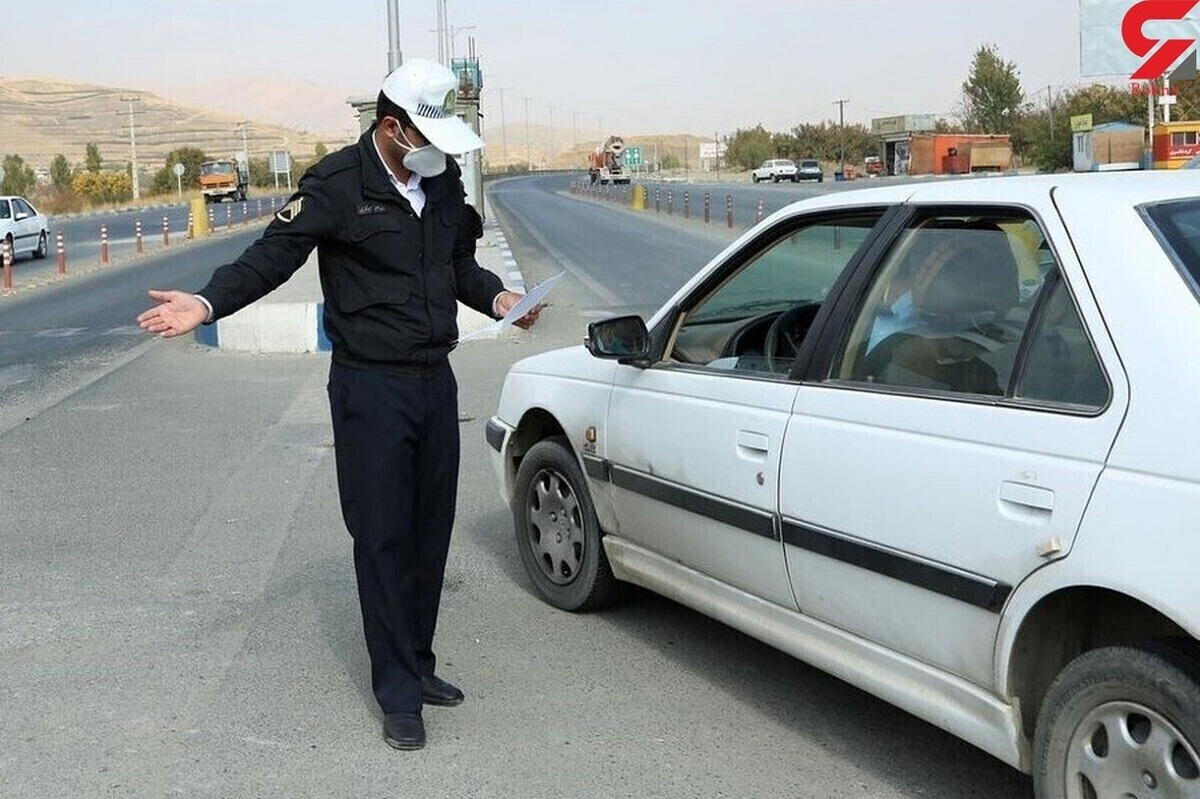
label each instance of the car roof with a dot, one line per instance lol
(1133, 187)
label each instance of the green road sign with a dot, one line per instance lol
(633, 156)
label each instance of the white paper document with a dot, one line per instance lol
(535, 297)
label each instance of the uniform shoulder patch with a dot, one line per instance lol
(289, 212)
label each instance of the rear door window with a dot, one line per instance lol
(1177, 225)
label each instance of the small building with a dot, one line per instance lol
(1175, 143)
(1109, 147)
(895, 139)
(959, 153)
(910, 145)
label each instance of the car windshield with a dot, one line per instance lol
(1178, 225)
(809, 163)
(223, 168)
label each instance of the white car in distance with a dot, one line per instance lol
(22, 228)
(774, 170)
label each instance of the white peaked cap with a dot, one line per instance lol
(427, 91)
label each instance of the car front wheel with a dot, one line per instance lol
(558, 534)
(43, 247)
(1121, 721)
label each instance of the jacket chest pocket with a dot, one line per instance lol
(369, 229)
(381, 263)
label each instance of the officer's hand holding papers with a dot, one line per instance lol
(522, 313)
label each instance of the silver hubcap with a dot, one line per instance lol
(1127, 751)
(555, 528)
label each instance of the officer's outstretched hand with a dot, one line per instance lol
(176, 313)
(508, 299)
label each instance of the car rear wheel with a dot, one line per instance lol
(1121, 721)
(43, 247)
(558, 534)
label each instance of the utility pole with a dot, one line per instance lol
(528, 152)
(841, 134)
(717, 154)
(550, 147)
(574, 130)
(137, 192)
(243, 127)
(503, 128)
(1050, 112)
(394, 57)
(841, 104)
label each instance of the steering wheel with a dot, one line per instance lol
(785, 334)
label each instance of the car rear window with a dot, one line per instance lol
(1178, 226)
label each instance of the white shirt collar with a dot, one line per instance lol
(411, 190)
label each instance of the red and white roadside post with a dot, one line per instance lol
(229, 217)
(62, 253)
(166, 231)
(758, 215)
(7, 259)
(138, 234)
(729, 210)
(104, 245)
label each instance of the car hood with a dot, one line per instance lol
(550, 380)
(573, 362)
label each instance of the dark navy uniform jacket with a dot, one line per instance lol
(391, 279)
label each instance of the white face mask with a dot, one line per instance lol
(427, 161)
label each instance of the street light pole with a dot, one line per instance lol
(394, 57)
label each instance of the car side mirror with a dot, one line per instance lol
(622, 338)
(20, 215)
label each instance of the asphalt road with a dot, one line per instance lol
(178, 614)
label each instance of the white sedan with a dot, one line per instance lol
(22, 228)
(940, 441)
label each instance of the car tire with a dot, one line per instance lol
(43, 246)
(1121, 721)
(754, 178)
(558, 534)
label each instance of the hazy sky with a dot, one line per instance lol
(627, 66)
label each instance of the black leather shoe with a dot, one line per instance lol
(436, 691)
(404, 730)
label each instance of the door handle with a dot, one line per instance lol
(1028, 496)
(750, 441)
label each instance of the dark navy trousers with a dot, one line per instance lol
(397, 452)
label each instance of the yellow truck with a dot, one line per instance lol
(224, 179)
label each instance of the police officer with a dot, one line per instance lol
(396, 245)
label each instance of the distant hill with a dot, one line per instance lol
(41, 118)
